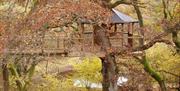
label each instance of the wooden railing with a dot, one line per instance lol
(53, 45)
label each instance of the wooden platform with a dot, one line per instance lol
(63, 53)
(73, 46)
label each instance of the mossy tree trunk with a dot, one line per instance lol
(144, 61)
(153, 73)
(22, 84)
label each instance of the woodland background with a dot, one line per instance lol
(158, 68)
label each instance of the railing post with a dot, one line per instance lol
(57, 42)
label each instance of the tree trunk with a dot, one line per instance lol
(5, 76)
(144, 61)
(108, 62)
(153, 74)
(179, 84)
(141, 23)
(105, 83)
(112, 72)
(176, 41)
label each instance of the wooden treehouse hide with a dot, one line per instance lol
(122, 31)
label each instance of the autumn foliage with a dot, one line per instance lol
(65, 12)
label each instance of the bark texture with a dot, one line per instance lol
(5, 76)
(143, 60)
(108, 62)
(154, 74)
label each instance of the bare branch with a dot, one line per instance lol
(169, 73)
(145, 46)
(151, 43)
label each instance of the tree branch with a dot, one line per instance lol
(145, 46)
(118, 2)
(151, 43)
(169, 73)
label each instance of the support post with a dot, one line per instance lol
(122, 30)
(81, 31)
(130, 36)
(115, 28)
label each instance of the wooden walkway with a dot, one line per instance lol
(64, 46)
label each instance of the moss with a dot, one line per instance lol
(150, 70)
(153, 73)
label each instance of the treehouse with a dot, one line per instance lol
(122, 31)
(126, 28)
(78, 40)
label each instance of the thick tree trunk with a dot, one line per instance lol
(108, 62)
(112, 72)
(109, 74)
(5, 76)
(105, 83)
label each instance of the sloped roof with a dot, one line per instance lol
(119, 17)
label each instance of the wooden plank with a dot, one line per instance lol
(38, 52)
